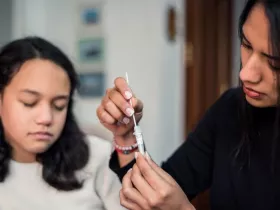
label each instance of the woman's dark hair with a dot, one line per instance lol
(248, 124)
(70, 152)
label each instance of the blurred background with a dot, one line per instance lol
(180, 55)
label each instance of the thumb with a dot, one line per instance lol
(137, 105)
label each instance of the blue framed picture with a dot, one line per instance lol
(91, 50)
(91, 84)
(91, 16)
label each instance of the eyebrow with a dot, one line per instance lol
(35, 93)
(271, 57)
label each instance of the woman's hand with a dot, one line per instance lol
(147, 186)
(115, 111)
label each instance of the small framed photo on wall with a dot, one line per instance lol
(91, 50)
(92, 85)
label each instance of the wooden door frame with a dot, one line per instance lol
(209, 37)
(208, 67)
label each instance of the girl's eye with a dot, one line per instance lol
(59, 108)
(30, 105)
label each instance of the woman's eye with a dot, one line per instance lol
(246, 45)
(274, 66)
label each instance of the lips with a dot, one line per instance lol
(42, 135)
(252, 93)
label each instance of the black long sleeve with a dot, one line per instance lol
(205, 160)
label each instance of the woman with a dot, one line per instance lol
(233, 151)
(46, 162)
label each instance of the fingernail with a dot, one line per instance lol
(136, 155)
(129, 170)
(126, 120)
(127, 94)
(129, 112)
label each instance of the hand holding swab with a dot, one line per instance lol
(137, 130)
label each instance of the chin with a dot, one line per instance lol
(261, 103)
(39, 148)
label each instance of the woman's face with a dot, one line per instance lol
(257, 75)
(33, 108)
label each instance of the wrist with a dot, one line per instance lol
(125, 140)
(126, 150)
(188, 207)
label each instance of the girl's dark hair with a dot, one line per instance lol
(70, 152)
(248, 123)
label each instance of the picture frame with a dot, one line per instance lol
(89, 19)
(91, 16)
(91, 85)
(91, 50)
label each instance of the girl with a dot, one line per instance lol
(234, 150)
(46, 162)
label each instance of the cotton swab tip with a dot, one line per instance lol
(126, 75)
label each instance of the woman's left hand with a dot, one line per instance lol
(147, 186)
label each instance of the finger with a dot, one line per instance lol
(126, 182)
(115, 112)
(127, 93)
(121, 103)
(150, 175)
(104, 116)
(108, 90)
(133, 195)
(123, 87)
(159, 170)
(141, 184)
(127, 203)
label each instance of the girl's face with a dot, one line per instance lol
(33, 108)
(257, 74)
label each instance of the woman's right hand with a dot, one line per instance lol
(115, 111)
(148, 186)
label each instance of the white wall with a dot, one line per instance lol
(237, 9)
(135, 43)
(5, 21)
(172, 82)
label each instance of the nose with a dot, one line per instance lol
(45, 116)
(250, 72)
